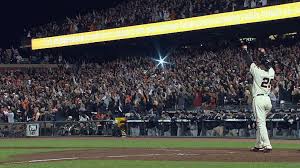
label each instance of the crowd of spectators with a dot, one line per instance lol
(197, 78)
(24, 56)
(205, 81)
(10, 56)
(135, 12)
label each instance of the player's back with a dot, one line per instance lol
(261, 80)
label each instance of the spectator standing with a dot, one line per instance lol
(264, 2)
(198, 99)
(10, 115)
(253, 4)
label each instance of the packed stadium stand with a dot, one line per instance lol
(135, 12)
(195, 83)
(193, 78)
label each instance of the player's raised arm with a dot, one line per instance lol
(247, 57)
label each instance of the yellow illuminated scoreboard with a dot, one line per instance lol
(285, 11)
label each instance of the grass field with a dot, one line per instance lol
(151, 164)
(11, 147)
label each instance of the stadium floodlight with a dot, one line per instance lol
(161, 61)
(290, 10)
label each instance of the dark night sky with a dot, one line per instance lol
(15, 15)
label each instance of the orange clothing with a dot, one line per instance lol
(25, 104)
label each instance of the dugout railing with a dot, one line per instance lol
(278, 128)
(58, 128)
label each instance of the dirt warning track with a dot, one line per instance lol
(161, 154)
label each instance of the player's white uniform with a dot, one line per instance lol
(261, 103)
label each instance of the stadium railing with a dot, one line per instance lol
(244, 128)
(58, 128)
(20, 66)
(278, 128)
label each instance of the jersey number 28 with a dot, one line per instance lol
(266, 83)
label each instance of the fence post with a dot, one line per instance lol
(10, 125)
(127, 129)
(224, 128)
(181, 132)
(298, 129)
(272, 127)
(203, 128)
(45, 129)
(53, 125)
(40, 129)
(276, 128)
(145, 128)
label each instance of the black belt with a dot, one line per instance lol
(260, 95)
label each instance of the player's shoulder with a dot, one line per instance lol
(271, 71)
(253, 66)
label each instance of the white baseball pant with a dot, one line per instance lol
(261, 107)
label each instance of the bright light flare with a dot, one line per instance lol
(161, 62)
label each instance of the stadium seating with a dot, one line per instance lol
(193, 79)
(137, 12)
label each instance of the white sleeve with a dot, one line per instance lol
(253, 69)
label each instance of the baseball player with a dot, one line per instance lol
(263, 75)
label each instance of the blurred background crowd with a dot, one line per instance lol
(197, 82)
(192, 79)
(126, 13)
(133, 12)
